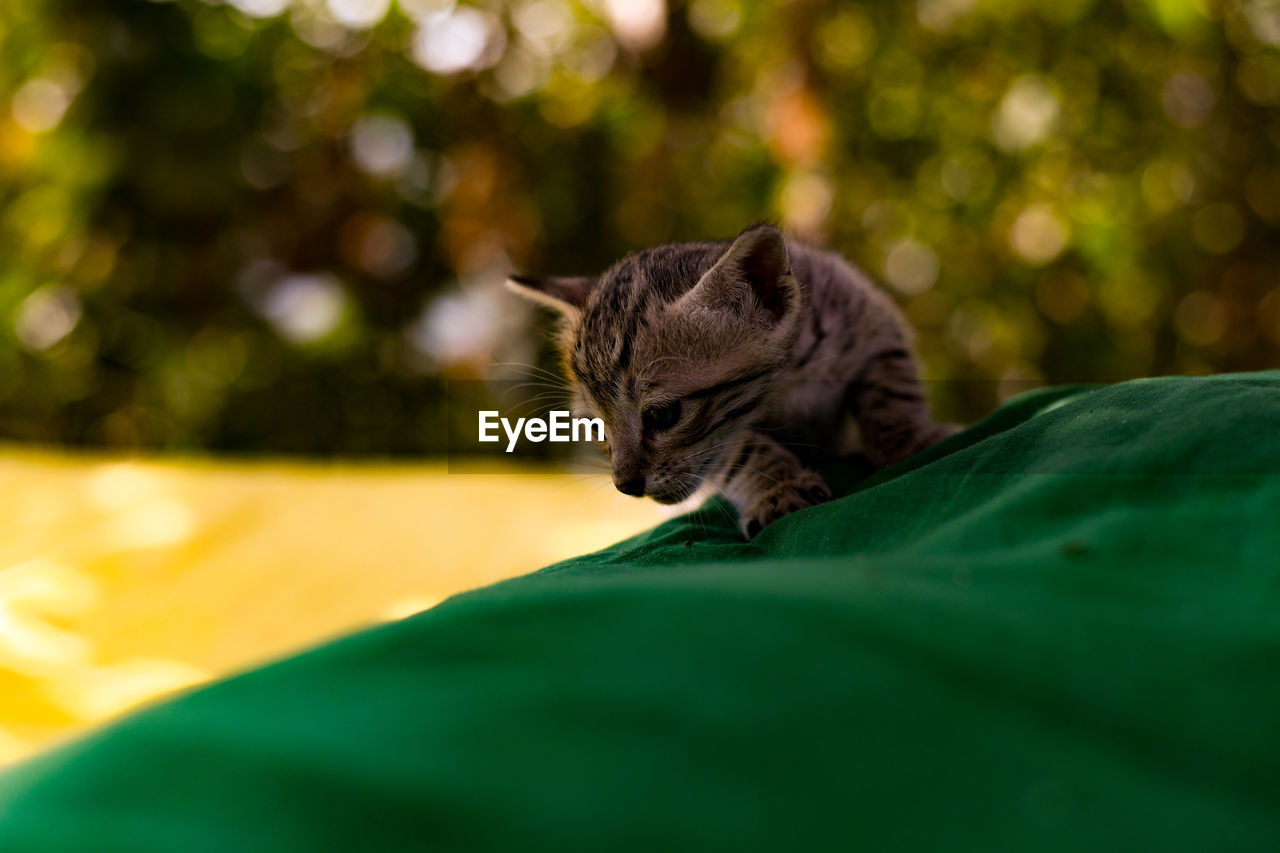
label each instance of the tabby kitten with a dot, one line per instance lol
(730, 363)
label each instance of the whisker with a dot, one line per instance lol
(531, 370)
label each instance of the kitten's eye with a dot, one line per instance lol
(665, 416)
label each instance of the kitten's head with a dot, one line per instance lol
(676, 349)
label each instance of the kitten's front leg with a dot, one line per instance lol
(893, 415)
(765, 481)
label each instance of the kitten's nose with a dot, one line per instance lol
(633, 485)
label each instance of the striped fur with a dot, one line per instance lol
(769, 346)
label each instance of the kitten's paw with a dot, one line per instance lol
(892, 452)
(803, 490)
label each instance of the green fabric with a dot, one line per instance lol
(1058, 631)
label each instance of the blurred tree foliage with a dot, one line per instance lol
(282, 224)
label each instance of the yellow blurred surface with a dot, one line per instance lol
(123, 579)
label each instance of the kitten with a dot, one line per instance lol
(727, 363)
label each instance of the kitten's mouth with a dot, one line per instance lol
(672, 493)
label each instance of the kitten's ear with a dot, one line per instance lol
(753, 276)
(566, 294)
